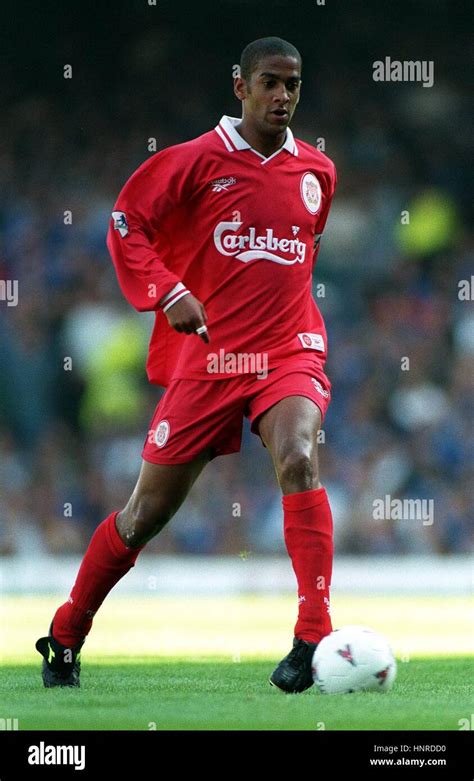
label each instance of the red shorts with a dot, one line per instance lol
(194, 415)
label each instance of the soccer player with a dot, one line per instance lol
(219, 237)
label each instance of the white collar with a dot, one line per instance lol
(234, 142)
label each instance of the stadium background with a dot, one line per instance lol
(391, 289)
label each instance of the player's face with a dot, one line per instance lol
(271, 96)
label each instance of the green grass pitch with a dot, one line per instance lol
(203, 663)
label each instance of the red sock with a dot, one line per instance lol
(107, 559)
(309, 540)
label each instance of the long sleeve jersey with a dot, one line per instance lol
(241, 232)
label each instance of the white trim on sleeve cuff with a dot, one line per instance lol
(175, 299)
(173, 292)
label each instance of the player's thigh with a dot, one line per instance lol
(289, 429)
(169, 482)
(159, 492)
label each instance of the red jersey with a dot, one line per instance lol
(241, 231)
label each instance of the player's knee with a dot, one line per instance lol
(144, 517)
(296, 468)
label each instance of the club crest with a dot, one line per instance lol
(311, 192)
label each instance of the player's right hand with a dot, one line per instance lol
(186, 315)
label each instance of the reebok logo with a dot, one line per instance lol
(223, 184)
(254, 247)
(44, 754)
(320, 388)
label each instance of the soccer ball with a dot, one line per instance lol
(353, 659)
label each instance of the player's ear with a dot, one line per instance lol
(299, 92)
(240, 88)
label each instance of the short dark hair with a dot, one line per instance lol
(265, 47)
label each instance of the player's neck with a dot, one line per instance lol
(266, 145)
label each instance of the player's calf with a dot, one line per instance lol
(296, 471)
(142, 519)
(111, 553)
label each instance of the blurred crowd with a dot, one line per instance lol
(75, 404)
